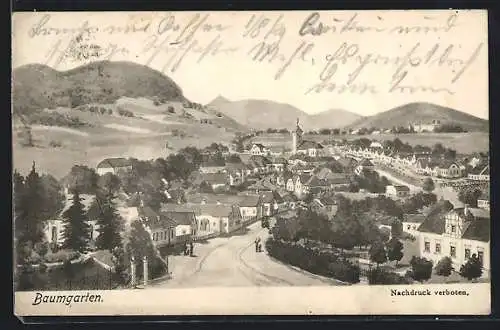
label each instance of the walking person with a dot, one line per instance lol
(191, 249)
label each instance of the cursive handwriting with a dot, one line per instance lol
(178, 51)
(42, 28)
(313, 25)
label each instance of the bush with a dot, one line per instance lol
(171, 109)
(421, 269)
(55, 144)
(61, 256)
(43, 268)
(380, 276)
(444, 267)
(321, 263)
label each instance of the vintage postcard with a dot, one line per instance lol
(247, 163)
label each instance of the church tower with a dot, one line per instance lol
(296, 137)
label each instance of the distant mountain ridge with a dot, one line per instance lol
(421, 112)
(263, 114)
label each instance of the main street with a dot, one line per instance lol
(233, 261)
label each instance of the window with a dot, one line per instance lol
(409, 227)
(427, 246)
(480, 255)
(467, 254)
(453, 251)
(438, 248)
(453, 228)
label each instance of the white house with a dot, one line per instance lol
(397, 191)
(114, 166)
(251, 208)
(457, 234)
(480, 173)
(411, 223)
(259, 149)
(483, 201)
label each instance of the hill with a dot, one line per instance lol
(334, 118)
(260, 114)
(263, 114)
(38, 86)
(422, 112)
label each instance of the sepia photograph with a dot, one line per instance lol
(247, 163)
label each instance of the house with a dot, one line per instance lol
(54, 228)
(277, 164)
(276, 150)
(365, 164)
(185, 223)
(483, 201)
(290, 201)
(161, 228)
(217, 219)
(251, 207)
(298, 184)
(458, 234)
(310, 148)
(271, 203)
(212, 167)
(411, 223)
(397, 191)
(215, 180)
(376, 145)
(425, 127)
(480, 173)
(114, 166)
(325, 205)
(448, 169)
(237, 173)
(259, 150)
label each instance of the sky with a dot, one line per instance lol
(364, 62)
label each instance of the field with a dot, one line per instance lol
(144, 136)
(464, 143)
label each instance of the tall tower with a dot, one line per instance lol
(296, 137)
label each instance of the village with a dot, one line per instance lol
(232, 200)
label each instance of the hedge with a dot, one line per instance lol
(317, 262)
(381, 276)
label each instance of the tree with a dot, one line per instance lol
(421, 269)
(428, 185)
(109, 222)
(397, 228)
(469, 196)
(234, 158)
(378, 253)
(395, 250)
(444, 267)
(76, 232)
(83, 179)
(141, 245)
(472, 269)
(53, 196)
(29, 208)
(109, 182)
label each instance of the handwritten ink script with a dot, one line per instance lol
(337, 49)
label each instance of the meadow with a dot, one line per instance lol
(145, 136)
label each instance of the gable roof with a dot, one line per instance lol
(478, 230)
(250, 201)
(415, 218)
(366, 162)
(114, 163)
(213, 178)
(185, 217)
(309, 145)
(401, 188)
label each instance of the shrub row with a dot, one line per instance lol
(317, 262)
(381, 276)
